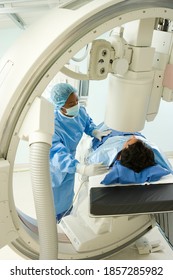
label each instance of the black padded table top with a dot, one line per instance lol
(132, 199)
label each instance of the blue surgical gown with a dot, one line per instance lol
(68, 133)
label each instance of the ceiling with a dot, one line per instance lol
(22, 13)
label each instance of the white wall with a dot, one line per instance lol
(96, 100)
(160, 131)
(7, 38)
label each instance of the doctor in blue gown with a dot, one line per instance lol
(71, 121)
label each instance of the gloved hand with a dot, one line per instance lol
(92, 169)
(99, 134)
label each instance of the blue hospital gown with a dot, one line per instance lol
(68, 133)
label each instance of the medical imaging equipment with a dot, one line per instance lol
(138, 199)
(126, 60)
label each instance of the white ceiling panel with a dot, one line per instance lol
(22, 13)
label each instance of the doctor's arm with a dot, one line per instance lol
(62, 160)
(92, 130)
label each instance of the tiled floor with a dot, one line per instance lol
(24, 201)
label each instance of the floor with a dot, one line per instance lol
(24, 201)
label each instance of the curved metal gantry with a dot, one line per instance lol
(35, 66)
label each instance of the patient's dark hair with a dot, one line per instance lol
(137, 156)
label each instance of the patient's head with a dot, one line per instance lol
(136, 155)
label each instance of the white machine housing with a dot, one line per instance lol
(141, 84)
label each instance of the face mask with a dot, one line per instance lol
(73, 111)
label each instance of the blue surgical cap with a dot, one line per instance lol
(60, 93)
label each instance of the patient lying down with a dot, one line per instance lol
(136, 155)
(131, 158)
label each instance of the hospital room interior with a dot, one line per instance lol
(119, 57)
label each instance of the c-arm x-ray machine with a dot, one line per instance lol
(138, 61)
